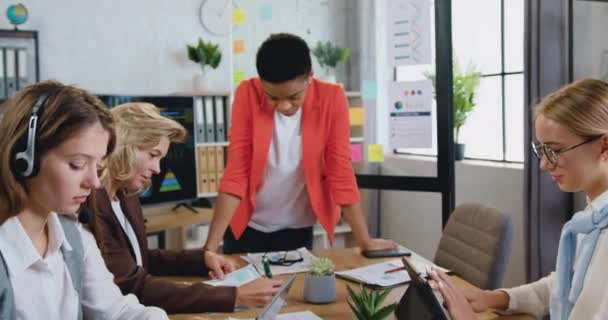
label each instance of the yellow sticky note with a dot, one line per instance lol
(238, 16)
(357, 116)
(238, 76)
(375, 152)
(238, 46)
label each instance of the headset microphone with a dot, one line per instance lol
(85, 215)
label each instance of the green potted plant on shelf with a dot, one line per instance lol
(320, 282)
(465, 84)
(329, 56)
(205, 54)
(367, 305)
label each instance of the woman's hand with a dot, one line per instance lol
(218, 265)
(257, 293)
(378, 244)
(453, 298)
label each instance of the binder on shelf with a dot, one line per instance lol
(199, 131)
(220, 123)
(21, 69)
(10, 75)
(203, 170)
(219, 165)
(209, 120)
(2, 74)
(211, 169)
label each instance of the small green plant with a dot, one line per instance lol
(329, 55)
(321, 267)
(205, 53)
(464, 86)
(367, 305)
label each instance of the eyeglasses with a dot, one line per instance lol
(287, 258)
(552, 155)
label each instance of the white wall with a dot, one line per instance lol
(313, 20)
(590, 48)
(128, 47)
(414, 218)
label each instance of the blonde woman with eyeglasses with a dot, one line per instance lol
(572, 144)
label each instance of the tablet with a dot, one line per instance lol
(397, 252)
(272, 309)
(419, 301)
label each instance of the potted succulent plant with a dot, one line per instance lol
(320, 282)
(464, 84)
(367, 305)
(205, 54)
(329, 56)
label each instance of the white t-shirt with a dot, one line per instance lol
(128, 229)
(283, 202)
(42, 286)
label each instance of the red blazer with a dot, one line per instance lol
(328, 172)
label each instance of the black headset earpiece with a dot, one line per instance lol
(85, 215)
(25, 162)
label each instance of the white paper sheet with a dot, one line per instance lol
(305, 315)
(408, 28)
(237, 277)
(375, 274)
(410, 114)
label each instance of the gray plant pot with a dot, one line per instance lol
(320, 289)
(458, 151)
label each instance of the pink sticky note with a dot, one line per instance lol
(356, 152)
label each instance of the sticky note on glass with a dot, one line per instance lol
(356, 152)
(369, 89)
(266, 12)
(238, 46)
(357, 116)
(238, 76)
(375, 153)
(238, 16)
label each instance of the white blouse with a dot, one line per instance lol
(42, 286)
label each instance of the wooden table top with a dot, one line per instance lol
(164, 217)
(344, 259)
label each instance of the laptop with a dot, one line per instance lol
(272, 309)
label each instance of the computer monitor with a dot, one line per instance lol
(177, 180)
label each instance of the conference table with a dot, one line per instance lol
(344, 259)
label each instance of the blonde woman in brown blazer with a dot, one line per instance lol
(143, 139)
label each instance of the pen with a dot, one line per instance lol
(266, 266)
(394, 270)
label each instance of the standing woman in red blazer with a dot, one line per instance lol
(288, 160)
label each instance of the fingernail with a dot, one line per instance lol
(440, 284)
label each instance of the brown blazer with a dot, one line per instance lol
(173, 297)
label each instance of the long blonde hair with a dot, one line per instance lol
(581, 106)
(66, 112)
(140, 126)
